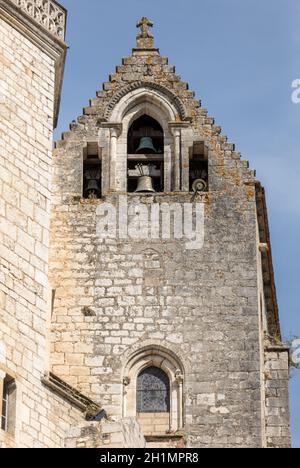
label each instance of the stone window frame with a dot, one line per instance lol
(8, 378)
(165, 360)
(91, 160)
(178, 138)
(145, 401)
(150, 109)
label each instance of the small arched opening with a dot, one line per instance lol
(153, 391)
(153, 400)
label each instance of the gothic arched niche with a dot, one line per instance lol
(153, 391)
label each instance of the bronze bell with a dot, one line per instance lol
(92, 190)
(146, 146)
(199, 185)
(145, 185)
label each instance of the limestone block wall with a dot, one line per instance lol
(277, 399)
(27, 76)
(122, 434)
(154, 423)
(202, 305)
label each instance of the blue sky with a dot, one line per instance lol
(240, 57)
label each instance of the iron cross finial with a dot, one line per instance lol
(145, 24)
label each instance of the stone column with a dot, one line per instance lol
(113, 158)
(183, 139)
(179, 380)
(109, 154)
(168, 163)
(177, 160)
(103, 144)
(186, 144)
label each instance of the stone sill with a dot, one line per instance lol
(99, 201)
(177, 435)
(159, 194)
(6, 436)
(277, 349)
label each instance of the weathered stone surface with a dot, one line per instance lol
(124, 434)
(202, 305)
(27, 95)
(122, 304)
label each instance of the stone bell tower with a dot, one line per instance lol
(159, 289)
(186, 340)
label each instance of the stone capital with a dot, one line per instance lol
(115, 128)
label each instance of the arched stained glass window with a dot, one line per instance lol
(153, 391)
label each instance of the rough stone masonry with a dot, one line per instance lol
(207, 319)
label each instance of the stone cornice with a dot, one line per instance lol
(267, 264)
(41, 37)
(277, 349)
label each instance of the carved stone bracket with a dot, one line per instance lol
(126, 381)
(115, 128)
(179, 376)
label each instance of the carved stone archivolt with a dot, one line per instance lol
(47, 13)
(150, 86)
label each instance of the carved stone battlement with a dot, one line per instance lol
(47, 13)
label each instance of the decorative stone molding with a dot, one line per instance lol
(47, 13)
(148, 85)
(179, 376)
(126, 381)
(43, 23)
(167, 361)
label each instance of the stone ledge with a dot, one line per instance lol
(69, 393)
(277, 349)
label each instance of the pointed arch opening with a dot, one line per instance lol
(145, 127)
(145, 148)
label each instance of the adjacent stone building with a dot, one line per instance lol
(106, 316)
